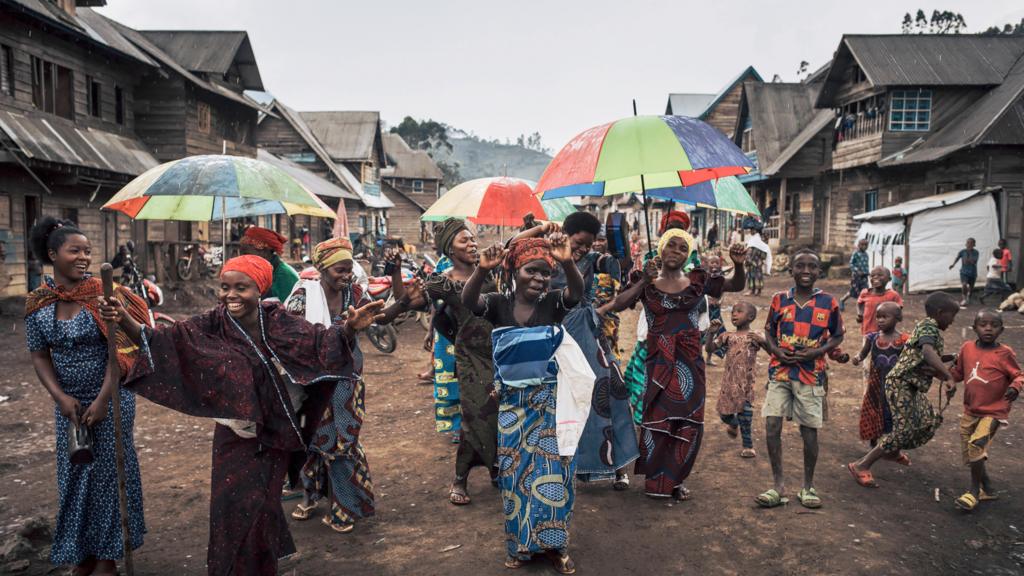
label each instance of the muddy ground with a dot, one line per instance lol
(899, 528)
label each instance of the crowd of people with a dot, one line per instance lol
(528, 372)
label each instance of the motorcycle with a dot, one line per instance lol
(209, 261)
(132, 277)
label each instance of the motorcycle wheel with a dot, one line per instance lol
(383, 338)
(213, 271)
(184, 269)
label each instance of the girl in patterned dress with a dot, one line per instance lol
(536, 483)
(914, 420)
(884, 347)
(673, 410)
(736, 397)
(67, 340)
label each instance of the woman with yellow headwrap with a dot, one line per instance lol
(335, 465)
(672, 425)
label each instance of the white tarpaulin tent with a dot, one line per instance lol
(935, 229)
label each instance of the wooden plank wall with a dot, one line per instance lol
(723, 116)
(859, 152)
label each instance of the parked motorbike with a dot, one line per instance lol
(132, 277)
(208, 262)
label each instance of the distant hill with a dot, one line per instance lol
(478, 158)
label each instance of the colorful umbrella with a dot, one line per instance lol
(727, 194)
(214, 187)
(497, 202)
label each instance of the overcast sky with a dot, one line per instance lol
(500, 69)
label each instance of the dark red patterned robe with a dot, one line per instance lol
(206, 366)
(673, 416)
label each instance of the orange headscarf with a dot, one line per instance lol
(263, 239)
(261, 272)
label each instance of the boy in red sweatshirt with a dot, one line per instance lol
(992, 380)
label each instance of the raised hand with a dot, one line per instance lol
(738, 253)
(491, 257)
(111, 310)
(561, 249)
(651, 269)
(715, 326)
(551, 228)
(360, 318)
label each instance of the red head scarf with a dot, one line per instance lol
(263, 239)
(674, 217)
(261, 272)
(528, 250)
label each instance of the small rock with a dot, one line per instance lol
(974, 544)
(451, 547)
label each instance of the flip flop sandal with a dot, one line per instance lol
(563, 564)
(863, 477)
(303, 512)
(339, 528)
(458, 496)
(770, 499)
(513, 563)
(621, 482)
(986, 497)
(808, 498)
(748, 453)
(967, 502)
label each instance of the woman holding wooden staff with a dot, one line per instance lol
(68, 343)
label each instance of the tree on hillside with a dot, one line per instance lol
(432, 137)
(1007, 30)
(944, 22)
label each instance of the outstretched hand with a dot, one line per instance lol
(491, 257)
(360, 318)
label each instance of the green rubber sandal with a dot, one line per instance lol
(770, 499)
(808, 498)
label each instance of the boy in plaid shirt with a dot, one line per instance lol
(804, 326)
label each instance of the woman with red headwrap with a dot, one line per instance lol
(249, 365)
(269, 245)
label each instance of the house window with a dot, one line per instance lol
(911, 110)
(203, 114)
(871, 200)
(747, 143)
(53, 88)
(417, 185)
(6, 70)
(94, 95)
(118, 104)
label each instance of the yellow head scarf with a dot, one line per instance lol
(330, 252)
(676, 233)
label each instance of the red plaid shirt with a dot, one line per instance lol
(799, 326)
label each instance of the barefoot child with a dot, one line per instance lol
(870, 298)
(884, 347)
(803, 327)
(968, 259)
(914, 420)
(736, 398)
(992, 381)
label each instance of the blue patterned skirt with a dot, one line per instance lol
(447, 410)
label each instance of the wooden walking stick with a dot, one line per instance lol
(107, 273)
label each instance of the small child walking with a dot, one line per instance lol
(899, 275)
(968, 259)
(736, 398)
(870, 298)
(884, 347)
(992, 381)
(859, 272)
(994, 283)
(914, 420)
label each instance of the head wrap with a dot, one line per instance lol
(674, 217)
(261, 272)
(676, 233)
(446, 234)
(330, 252)
(263, 239)
(528, 250)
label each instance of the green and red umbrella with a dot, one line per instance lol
(499, 201)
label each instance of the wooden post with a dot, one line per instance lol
(107, 273)
(906, 255)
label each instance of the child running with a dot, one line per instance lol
(884, 347)
(736, 398)
(803, 327)
(858, 272)
(870, 298)
(992, 381)
(968, 259)
(914, 420)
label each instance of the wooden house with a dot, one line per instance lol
(415, 176)
(920, 115)
(790, 142)
(68, 137)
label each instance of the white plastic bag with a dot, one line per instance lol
(575, 391)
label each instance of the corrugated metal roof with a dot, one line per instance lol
(779, 113)
(345, 135)
(135, 37)
(692, 105)
(406, 162)
(210, 52)
(970, 126)
(85, 22)
(315, 184)
(56, 140)
(911, 207)
(926, 60)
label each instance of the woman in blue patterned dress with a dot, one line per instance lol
(447, 409)
(69, 353)
(536, 482)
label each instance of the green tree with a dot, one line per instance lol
(432, 137)
(1007, 30)
(944, 22)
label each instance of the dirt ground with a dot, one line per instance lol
(897, 529)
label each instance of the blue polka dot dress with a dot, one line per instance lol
(89, 520)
